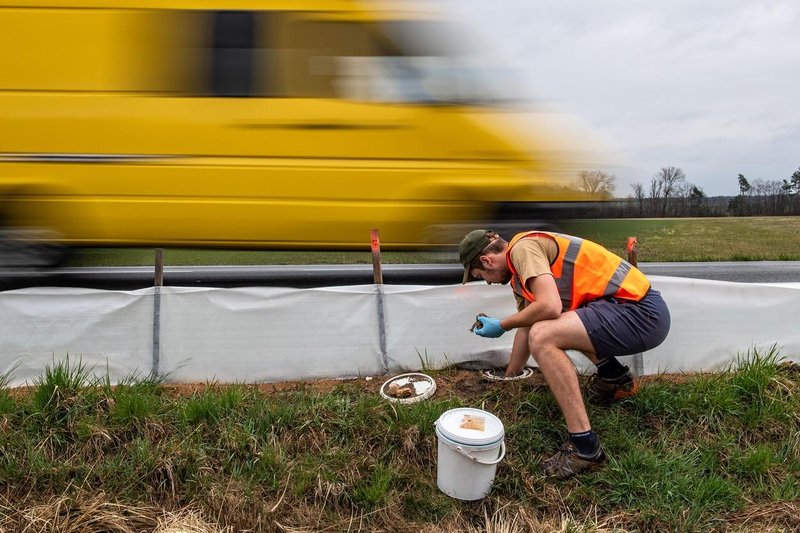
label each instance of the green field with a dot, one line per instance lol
(686, 239)
(698, 239)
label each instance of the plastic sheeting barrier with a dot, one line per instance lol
(110, 332)
(268, 334)
(713, 321)
(264, 334)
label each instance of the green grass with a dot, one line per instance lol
(194, 257)
(698, 239)
(709, 452)
(688, 239)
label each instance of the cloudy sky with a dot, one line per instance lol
(708, 86)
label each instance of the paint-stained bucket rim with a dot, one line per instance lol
(424, 387)
(491, 374)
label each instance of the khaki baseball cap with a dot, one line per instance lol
(470, 247)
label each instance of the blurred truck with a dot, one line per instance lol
(294, 124)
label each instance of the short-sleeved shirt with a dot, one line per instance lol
(615, 327)
(532, 257)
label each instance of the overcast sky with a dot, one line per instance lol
(709, 86)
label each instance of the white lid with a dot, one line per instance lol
(498, 374)
(422, 387)
(466, 425)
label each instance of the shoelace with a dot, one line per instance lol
(565, 450)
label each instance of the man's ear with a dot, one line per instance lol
(486, 262)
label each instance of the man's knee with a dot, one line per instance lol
(540, 339)
(557, 335)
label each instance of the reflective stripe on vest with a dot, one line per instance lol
(584, 271)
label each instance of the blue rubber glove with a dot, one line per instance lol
(490, 327)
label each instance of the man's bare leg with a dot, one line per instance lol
(548, 341)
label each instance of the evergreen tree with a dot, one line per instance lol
(744, 185)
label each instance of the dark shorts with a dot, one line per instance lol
(622, 327)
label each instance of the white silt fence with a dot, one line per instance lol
(264, 334)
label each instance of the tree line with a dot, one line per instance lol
(670, 194)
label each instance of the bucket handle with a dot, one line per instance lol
(466, 454)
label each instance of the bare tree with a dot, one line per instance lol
(673, 179)
(655, 196)
(597, 182)
(771, 196)
(638, 194)
(666, 184)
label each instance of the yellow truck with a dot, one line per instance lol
(281, 124)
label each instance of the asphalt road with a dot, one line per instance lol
(129, 278)
(738, 271)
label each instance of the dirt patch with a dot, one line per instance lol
(448, 383)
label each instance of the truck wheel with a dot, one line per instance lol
(508, 228)
(30, 248)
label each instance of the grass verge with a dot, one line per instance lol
(708, 452)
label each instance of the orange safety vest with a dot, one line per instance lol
(584, 271)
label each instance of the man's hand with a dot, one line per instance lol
(490, 327)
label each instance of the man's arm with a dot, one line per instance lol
(547, 305)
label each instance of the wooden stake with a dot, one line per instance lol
(377, 275)
(159, 281)
(632, 251)
(636, 361)
(159, 274)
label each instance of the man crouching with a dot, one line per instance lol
(572, 294)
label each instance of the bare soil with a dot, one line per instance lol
(449, 383)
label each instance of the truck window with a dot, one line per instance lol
(312, 55)
(233, 53)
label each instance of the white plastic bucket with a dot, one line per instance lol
(471, 444)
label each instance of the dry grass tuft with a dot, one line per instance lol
(411, 441)
(778, 516)
(519, 519)
(68, 515)
(93, 514)
(188, 521)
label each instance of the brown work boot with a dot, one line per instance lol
(601, 391)
(568, 462)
